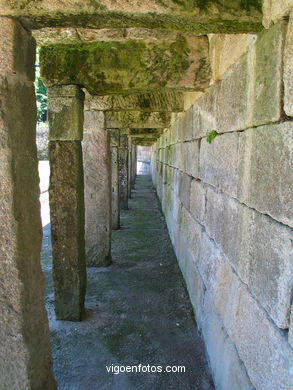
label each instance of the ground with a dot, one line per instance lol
(137, 311)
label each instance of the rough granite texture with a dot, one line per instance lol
(115, 188)
(288, 59)
(25, 353)
(194, 16)
(123, 172)
(113, 67)
(66, 195)
(228, 209)
(97, 190)
(169, 101)
(65, 113)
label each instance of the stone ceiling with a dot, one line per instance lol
(135, 59)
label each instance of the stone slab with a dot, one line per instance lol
(267, 76)
(184, 189)
(169, 101)
(265, 170)
(287, 76)
(259, 249)
(197, 200)
(137, 120)
(115, 67)
(261, 346)
(218, 162)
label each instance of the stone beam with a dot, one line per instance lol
(200, 17)
(66, 196)
(167, 101)
(134, 66)
(137, 120)
(139, 132)
(144, 142)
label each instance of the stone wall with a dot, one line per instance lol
(228, 207)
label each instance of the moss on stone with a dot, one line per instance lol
(118, 19)
(114, 67)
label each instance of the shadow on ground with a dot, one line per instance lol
(137, 312)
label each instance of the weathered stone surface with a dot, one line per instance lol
(232, 97)
(17, 50)
(225, 50)
(259, 249)
(267, 76)
(225, 106)
(218, 162)
(97, 190)
(115, 188)
(266, 167)
(132, 66)
(123, 171)
(67, 35)
(169, 101)
(134, 165)
(197, 200)
(274, 10)
(25, 361)
(288, 77)
(228, 370)
(190, 152)
(261, 345)
(65, 113)
(290, 334)
(184, 189)
(184, 124)
(168, 15)
(137, 120)
(67, 226)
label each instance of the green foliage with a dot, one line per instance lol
(41, 95)
(211, 135)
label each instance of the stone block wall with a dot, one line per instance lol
(228, 207)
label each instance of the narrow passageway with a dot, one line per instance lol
(137, 311)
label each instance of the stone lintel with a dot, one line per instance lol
(134, 66)
(217, 17)
(166, 101)
(137, 120)
(65, 113)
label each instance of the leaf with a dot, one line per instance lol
(211, 135)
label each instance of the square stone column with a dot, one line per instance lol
(129, 166)
(123, 171)
(66, 195)
(114, 143)
(133, 165)
(25, 353)
(97, 189)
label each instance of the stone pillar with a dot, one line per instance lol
(97, 190)
(133, 165)
(66, 194)
(129, 167)
(114, 142)
(123, 171)
(25, 355)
